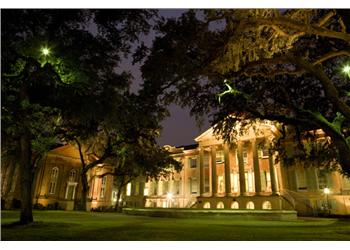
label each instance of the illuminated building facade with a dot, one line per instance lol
(243, 176)
(215, 175)
(57, 183)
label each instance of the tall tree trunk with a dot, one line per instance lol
(119, 193)
(26, 216)
(84, 191)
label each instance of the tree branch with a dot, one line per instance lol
(330, 90)
(292, 24)
(326, 17)
(80, 152)
(330, 55)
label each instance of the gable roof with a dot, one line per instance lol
(66, 151)
(206, 135)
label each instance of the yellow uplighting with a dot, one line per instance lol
(169, 196)
(326, 191)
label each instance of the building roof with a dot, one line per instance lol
(187, 147)
(67, 151)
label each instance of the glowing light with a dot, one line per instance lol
(45, 51)
(169, 196)
(346, 70)
(326, 190)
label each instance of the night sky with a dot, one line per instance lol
(180, 128)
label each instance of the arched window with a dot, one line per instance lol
(250, 205)
(220, 205)
(235, 205)
(72, 175)
(206, 205)
(266, 205)
(53, 180)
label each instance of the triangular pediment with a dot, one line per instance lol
(258, 129)
(207, 135)
(66, 151)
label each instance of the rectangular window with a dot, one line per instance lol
(155, 188)
(301, 179)
(263, 153)
(235, 182)
(346, 185)
(221, 184)
(165, 187)
(146, 190)
(114, 195)
(177, 187)
(193, 186)
(206, 159)
(52, 187)
(220, 156)
(136, 188)
(249, 181)
(192, 162)
(322, 180)
(245, 156)
(128, 189)
(103, 187)
(206, 185)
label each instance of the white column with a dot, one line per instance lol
(213, 171)
(241, 168)
(272, 173)
(227, 170)
(257, 177)
(201, 171)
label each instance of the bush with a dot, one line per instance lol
(103, 209)
(54, 206)
(39, 206)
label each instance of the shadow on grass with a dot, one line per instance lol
(36, 224)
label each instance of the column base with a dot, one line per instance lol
(244, 194)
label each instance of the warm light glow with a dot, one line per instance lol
(169, 196)
(128, 189)
(45, 51)
(346, 69)
(326, 191)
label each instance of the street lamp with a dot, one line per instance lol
(327, 191)
(45, 51)
(346, 70)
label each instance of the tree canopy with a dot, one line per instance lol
(60, 82)
(240, 65)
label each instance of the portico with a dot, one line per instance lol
(245, 168)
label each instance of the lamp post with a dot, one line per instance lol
(326, 191)
(346, 70)
(45, 51)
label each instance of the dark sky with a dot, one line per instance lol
(180, 128)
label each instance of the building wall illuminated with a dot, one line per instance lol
(215, 175)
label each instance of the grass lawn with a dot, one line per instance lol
(64, 225)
